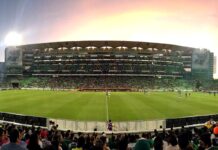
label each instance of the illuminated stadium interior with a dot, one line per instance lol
(101, 75)
(148, 74)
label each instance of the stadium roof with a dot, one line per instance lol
(98, 44)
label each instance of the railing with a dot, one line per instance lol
(24, 119)
(178, 122)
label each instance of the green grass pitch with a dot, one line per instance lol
(122, 106)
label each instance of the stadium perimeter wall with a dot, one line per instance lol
(90, 126)
(82, 126)
(135, 126)
(99, 127)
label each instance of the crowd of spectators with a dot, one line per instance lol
(20, 138)
(113, 82)
(106, 82)
(210, 85)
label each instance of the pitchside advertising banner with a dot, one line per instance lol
(200, 60)
(13, 60)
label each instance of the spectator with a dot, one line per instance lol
(158, 143)
(21, 136)
(99, 145)
(142, 144)
(123, 142)
(132, 142)
(34, 142)
(14, 139)
(103, 138)
(172, 143)
(1, 136)
(205, 141)
(215, 139)
(183, 141)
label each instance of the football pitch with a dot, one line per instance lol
(96, 106)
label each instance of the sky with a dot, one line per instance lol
(191, 23)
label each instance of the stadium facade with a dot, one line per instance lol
(108, 58)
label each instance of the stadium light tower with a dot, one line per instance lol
(13, 39)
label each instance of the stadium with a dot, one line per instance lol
(108, 75)
(106, 79)
(125, 89)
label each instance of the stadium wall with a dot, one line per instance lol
(99, 127)
(124, 126)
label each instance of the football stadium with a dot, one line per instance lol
(108, 75)
(116, 90)
(137, 85)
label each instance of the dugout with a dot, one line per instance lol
(15, 84)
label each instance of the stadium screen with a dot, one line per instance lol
(200, 60)
(13, 60)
